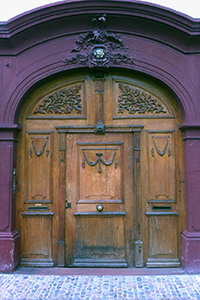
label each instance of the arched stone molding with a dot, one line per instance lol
(148, 48)
(130, 9)
(27, 79)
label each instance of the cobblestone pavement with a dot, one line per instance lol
(99, 287)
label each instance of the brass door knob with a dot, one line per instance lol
(99, 207)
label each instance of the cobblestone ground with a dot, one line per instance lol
(21, 287)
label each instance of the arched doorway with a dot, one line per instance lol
(100, 159)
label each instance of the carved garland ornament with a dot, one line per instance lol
(98, 48)
(161, 152)
(136, 101)
(62, 102)
(39, 153)
(99, 160)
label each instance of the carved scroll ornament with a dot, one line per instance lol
(99, 160)
(64, 101)
(136, 101)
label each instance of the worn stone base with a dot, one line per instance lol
(9, 251)
(190, 252)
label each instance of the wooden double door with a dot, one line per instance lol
(100, 174)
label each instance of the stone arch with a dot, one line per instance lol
(176, 87)
(157, 67)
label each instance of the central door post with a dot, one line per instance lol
(99, 97)
(62, 197)
(137, 194)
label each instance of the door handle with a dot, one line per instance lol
(99, 207)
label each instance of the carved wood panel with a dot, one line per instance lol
(162, 214)
(39, 167)
(163, 240)
(37, 239)
(161, 166)
(99, 174)
(100, 240)
(132, 101)
(68, 101)
(100, 167)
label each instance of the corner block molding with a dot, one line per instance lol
(99, 48)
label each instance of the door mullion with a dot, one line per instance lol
(137, 194)
(62, 197)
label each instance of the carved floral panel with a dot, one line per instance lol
(65, 102)
(133, 101)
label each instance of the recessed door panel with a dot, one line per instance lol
(100, 240)
(37, 239)
(161, 174)
(39, 167)
(100, 172)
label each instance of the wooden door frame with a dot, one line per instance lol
(63, 131)
(61, 136)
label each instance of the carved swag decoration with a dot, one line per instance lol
(99, 160)
(159, 151)
(37, 152)
(62, 102)
(136, 101)
(98, 48)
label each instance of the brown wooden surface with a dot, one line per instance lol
(90, 185)
(67, 165)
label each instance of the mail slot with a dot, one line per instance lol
(161, 207)
(36, 208)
